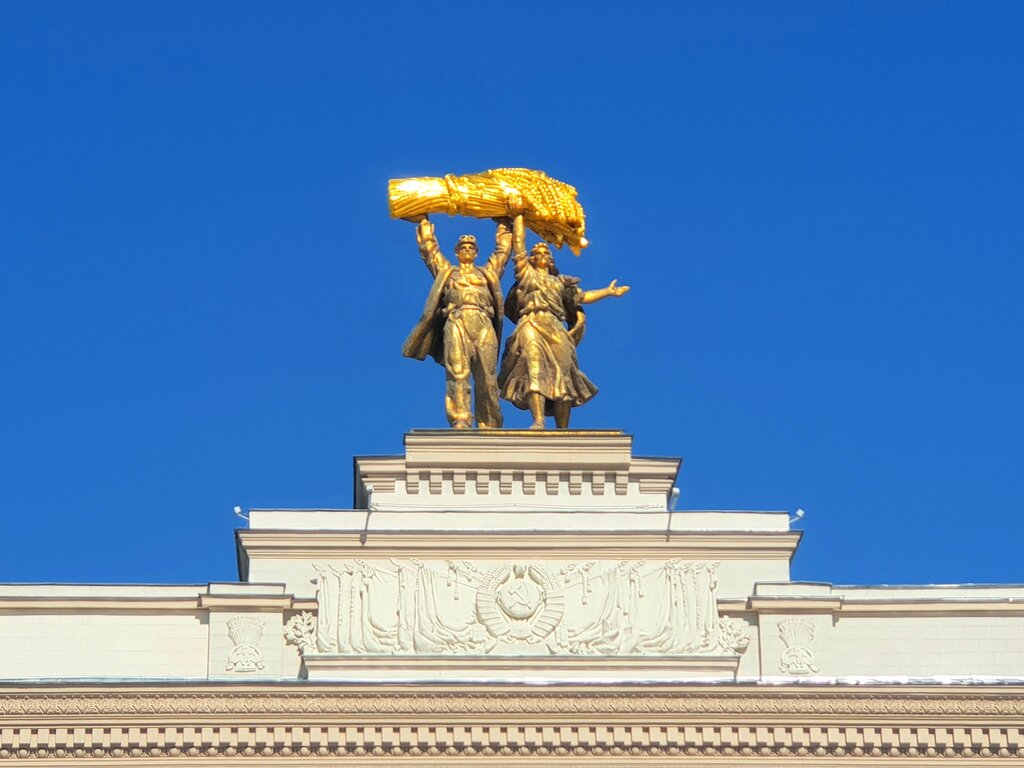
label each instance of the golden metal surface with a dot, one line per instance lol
(549, 206)
(461, 324)
(539, 369)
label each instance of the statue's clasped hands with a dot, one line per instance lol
(514, 202)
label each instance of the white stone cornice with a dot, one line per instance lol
(537, 669)
(517, 544)
(488, 470)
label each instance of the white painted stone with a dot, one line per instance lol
(537, 669)
(87, 644)
(519, 556)
(508, 518)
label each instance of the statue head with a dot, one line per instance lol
(541, 258)
(465, 249)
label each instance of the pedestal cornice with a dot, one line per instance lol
(484, 470)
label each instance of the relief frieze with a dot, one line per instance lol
(423, 607)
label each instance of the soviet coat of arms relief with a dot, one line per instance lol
(519, 604)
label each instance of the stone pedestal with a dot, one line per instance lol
(490, 555)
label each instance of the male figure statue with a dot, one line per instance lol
(461, 323)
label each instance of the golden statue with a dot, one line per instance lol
(539, 370)
(461, 323)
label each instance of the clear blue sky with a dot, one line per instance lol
(818, 205)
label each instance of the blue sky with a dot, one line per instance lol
(818, 206)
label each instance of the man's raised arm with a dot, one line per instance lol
(429, 249)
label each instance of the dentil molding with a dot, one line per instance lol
(54, 725)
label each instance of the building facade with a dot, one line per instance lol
(514, 597)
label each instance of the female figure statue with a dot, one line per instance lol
(539, 370)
